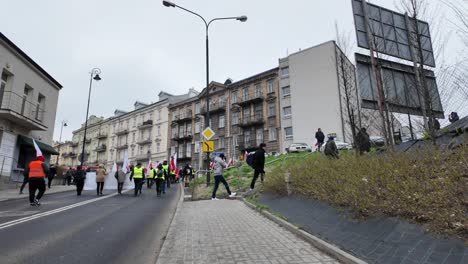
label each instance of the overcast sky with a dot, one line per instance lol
(143, 47)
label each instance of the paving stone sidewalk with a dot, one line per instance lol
(11, 194)
(226, 232)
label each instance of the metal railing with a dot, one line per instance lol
(19, 104)
(9, 168)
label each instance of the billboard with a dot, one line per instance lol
(400, 87)
(391, 32)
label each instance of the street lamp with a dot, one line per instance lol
(64, 124)
(207, 25)
(94, 76)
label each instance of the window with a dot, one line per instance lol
(197, 147)
(222, 143)
(285, 72)
(174, 131)
(247, 138)
(235, 140)
(159, 130)
(246, 93)
(287, 111)
(40, 108)
(197, 127)
(181, 130)
(222, 100)
(234, 97)
(133, 137)
(159, 114)
(197, 108)
(259, 136)
(288, 132)
(286, 91)
(258, 111)
(247, 113)
(221, 121)
(182, 113)
(188, 150)
(272, 134)
(189, 128)
(235, 118)
(270, 86)
(258, 90)
(158, 147)
(181, 151)
(271, 109)
(172, 151)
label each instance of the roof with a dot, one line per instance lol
(27, 58)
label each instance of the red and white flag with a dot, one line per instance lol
(38, 150)
(231, 162)
(148, 169)
(173, 164)
(212, 165)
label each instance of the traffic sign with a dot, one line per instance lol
(208, 146)
(208, 133)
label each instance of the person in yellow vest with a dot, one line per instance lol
(138, 175)
(158, 175)
(36, 171)
(150, 178)
(165, 167)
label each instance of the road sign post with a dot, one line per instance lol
(208, 134)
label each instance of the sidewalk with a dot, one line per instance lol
(227, 231)
(12, 194)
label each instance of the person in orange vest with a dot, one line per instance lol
(36, 171)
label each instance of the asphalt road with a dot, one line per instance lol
(112, 229)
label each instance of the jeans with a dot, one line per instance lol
(218, 179)
(99, 187)
(256, 174)
(163, 188)
(49, 182)
(138, 185)
(120, 187)
(79, 186)
(36, 183)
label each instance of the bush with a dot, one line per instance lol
(426, 186)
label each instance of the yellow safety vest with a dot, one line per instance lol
(138, 173)
(156, 175)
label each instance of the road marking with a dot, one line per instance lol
(55, 211)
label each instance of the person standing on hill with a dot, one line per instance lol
(258, 165)
(363, 141)
(330, 148)
(320, 137)
(219, 166)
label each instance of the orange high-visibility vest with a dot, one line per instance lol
(36, 170)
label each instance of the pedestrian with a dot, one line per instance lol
(320, 137)
(36, 172)
(79, 177)
(166, 176)
(159, 178)
(149, 177)
(192, 173)
(363, 141)
(100, 178)
(139, 175)
(453, 117)
(51, 175)
(186, 172)
(120, 177)
(68, 176)
(330, 148)
(258, 164)
(219, 166)
(25, 181)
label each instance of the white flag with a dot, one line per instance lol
(114, 168)
(125, 163)
(38, 150)
(148, 169)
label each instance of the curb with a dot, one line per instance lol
(326, 247)
(176, 212)
(22, 197)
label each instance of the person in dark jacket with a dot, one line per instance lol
(363, 141)
(320, 137)
(259, 165)
(79, 177)
(51, 175)
(453, 117)
(330, 148)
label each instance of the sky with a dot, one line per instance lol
(143, 48)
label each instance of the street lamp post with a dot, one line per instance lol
(207, 25)
(64, 124)
(94, 76)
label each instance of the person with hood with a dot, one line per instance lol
(363, 141)
(219, 166)
(120, 177)
(259, 164)
(330, 148)
(158, 174)
(139, 175)
(36, 171)
(79, 177)
(320, 137)
(100, 178)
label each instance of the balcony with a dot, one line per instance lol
(72, 154)
(121, 131)
(145, 141)
(248, 121)
(102, 136)
(88, 140)
(143, 157)
(182, 137)
(101, 148)
(215, 107)
(250, 99)
(185, 116)
(245, 145)
(17, 109)
(74, 144)
(123, 146)
(146, 124)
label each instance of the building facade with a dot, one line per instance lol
(28, 105)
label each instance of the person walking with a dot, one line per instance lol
(79, 177)
(25, 181)
(68, 176)
(159, 178)
(166, 176)
(36, 171)
(139, 175)
(363, 141)
(149, 178)
(51, 175)
(330, 148)
(120, 177)
(219, 166)
(259, 164)
(100, 178)
(320, 137)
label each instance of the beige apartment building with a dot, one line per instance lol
(28, 105)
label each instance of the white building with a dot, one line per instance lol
(28, 105)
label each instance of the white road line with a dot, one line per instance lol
(51, 212)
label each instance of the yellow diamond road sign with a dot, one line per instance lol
(208, 133)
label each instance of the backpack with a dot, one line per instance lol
(251, 160)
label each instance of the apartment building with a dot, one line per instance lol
(28, 105)
(67, 154)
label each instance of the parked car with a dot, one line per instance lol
(377, 141)
(340, 145)
(299, 147)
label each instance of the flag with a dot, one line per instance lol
(211, 165)
(148, 169)
(231, 162)
(173, 164)
(114, 168)
(38, 150)
(125, 168)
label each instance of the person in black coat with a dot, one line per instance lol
(79, 177)
(320, 137)
(259, 165)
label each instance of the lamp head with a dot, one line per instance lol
(97, 77)
(168, 4)
(242, 18)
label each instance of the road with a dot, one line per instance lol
(108, 229)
